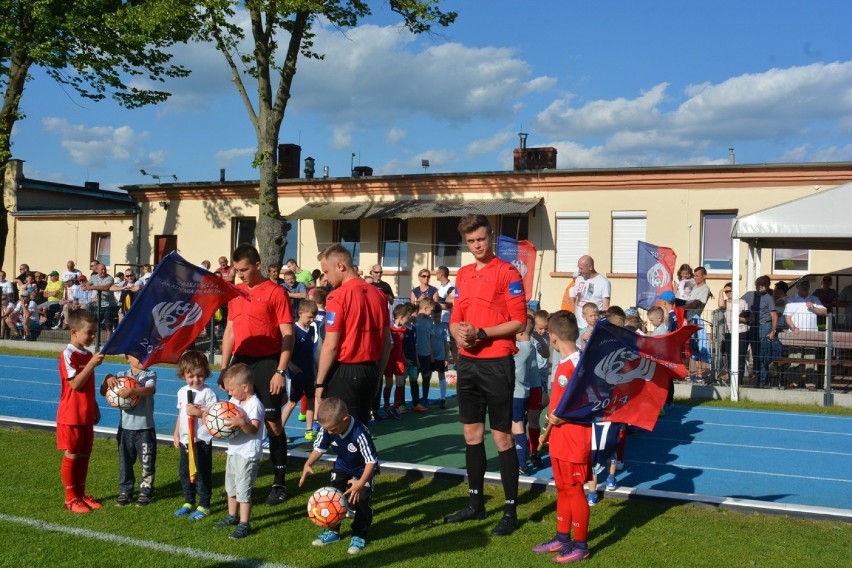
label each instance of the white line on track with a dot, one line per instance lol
(140, 543)
(719, 424)
(751, 446)
(729, 470)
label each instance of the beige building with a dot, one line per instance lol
(409, 222)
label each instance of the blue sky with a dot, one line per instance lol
(608, 83)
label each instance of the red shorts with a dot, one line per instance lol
(395, 368)
(75, 439)
(570, 473)
(534, 400)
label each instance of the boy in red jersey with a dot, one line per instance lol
(395, 369)
(78, 411)
(570, 452)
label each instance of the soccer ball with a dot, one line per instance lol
(327, 507)
(215, 416)
(119, 402)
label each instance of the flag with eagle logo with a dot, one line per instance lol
(169, 312)
(654, 271)
(522, 255)
(622, 376)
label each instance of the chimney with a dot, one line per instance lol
(362, 171)
(289, 161)
(92, 185)
(731, 158)
(221, 175)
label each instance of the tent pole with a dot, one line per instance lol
(734, 359)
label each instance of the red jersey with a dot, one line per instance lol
(257, 320)
(396, 359)
(358, 312)
(76, 408)
(492, 295)
(570, 441)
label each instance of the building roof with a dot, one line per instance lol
(413, 208)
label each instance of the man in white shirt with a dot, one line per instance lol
(802, 309)
(589, 286)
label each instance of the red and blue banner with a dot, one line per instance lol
(521, 254)
(654, 269)
(623, 377)
(169, 312)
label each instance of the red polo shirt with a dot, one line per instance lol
(257, 320)
(358, 311)
(492, 295)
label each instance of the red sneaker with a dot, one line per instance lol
(77, 506)
(90, 501)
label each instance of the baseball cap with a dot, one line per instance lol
(53, 273)
(667, 296)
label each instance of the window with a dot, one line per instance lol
(242, 231)
(716, 243)
(791, 260)
(394, 244)
(628, 228)
(572, 239)
(448, 242)
(348, 233)
(100, 248)
(515, 227)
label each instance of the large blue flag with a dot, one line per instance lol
(623, 377)
(169, 312)
(654, 269)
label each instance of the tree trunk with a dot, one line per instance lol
(271, 230)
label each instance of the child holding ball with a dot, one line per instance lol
(353, 469)
(136, 437)
(78, 411)
(193, 398)
(244, 449)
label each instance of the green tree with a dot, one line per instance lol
(270, 21)
(92, 46)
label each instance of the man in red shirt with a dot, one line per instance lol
(489, 310)
(259, 333)
(357, 336)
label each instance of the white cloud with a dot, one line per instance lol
(341, 138)
(489, 145)
(394, 135)
(225, 157)
(440, 160)
(95, 146)
(779, 105)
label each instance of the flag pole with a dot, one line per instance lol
(190, 434)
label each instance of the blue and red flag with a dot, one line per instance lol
(521, 254)
(169, 312)
(623, 377)
(654, 269)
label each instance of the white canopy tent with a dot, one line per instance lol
(820, 221)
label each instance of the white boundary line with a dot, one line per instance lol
(140, 543)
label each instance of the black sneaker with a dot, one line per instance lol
(277, 495)
(506, 526)
(242, 531)
(442, 404)
(466, 514)
(228, 521)
(123, 500)
(143, 500)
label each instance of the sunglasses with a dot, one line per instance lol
(424, 276)
(376, 271)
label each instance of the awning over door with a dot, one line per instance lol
(414, 208)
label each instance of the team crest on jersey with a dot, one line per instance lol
(171, 316)
(516, 288)
(562, 380)
(352, 448)
(329, 318)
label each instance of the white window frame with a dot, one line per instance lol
(572, 239)
(704, 214)
(805, 270)
(403, 246)
(628, 228)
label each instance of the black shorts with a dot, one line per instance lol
(486, 385)
(439, 366)
(262, 370)
(356, 384)
(424, 363)
(301, 385)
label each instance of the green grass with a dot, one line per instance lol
(407, 529)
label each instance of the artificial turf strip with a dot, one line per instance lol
(407, 529)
